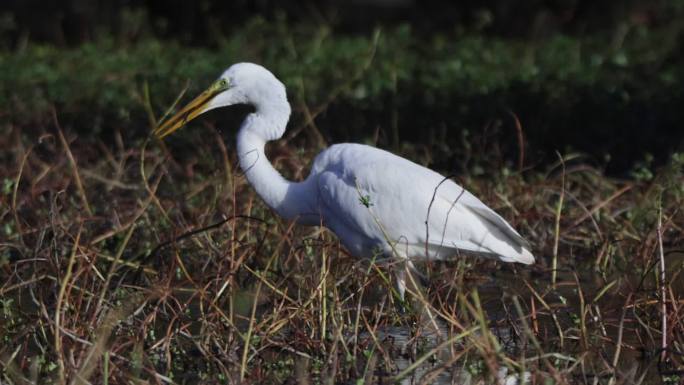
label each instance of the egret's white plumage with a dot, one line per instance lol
(373, 200)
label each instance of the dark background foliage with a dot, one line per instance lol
(601, 78)
(76, 21)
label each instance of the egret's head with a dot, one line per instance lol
(241, 83)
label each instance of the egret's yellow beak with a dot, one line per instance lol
(191, 110)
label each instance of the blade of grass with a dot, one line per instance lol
(72, 163)
(618, 343)
(663, 294)
(252, 319)
(541, 300)
(556, 228)
(58, 308)
(113, 267)
(14, 194)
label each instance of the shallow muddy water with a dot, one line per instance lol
(577, 324)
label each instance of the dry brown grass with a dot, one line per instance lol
(129, 263)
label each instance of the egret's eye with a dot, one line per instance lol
(222, 84)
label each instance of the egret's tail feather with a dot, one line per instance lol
(524, 257)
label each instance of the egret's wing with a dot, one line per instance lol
(496, 220)
(481, 228)
(372, 195)
(485, 213)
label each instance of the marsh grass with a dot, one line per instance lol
(140, 263)
(135, 261)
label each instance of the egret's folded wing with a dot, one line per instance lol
(489, 215)
(369, 195)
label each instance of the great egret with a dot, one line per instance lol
(374, 201)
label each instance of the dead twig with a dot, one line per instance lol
(72, 162)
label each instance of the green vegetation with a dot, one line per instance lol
(124, 260)
(412, 87)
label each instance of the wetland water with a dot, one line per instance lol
(607, 310)
(437, 350)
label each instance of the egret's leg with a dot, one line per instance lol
(411, 278)
(400, 273)
(408, 277)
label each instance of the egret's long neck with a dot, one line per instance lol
(291, 200)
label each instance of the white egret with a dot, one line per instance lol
(374, 201)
